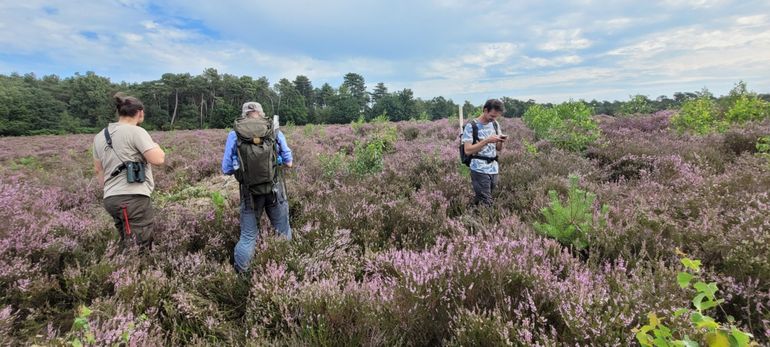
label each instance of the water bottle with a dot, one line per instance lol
(236, 163)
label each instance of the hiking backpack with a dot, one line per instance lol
(466, 159)
(256, 153)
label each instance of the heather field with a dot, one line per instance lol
(387, 250)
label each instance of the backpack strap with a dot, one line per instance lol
(475, 128)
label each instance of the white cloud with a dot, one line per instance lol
(756, 20)
(696, 3)
(150, 25)
(552, 62)
(616, 23)
(132, 37)
(694, 38)
(564, 40)
(458, 4)
(536, 50)
(145, 51)
(489, 54)
(470, 65)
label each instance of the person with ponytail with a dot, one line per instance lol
(123, 154)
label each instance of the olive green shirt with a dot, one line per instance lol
(129, 142)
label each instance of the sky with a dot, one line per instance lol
(549, 51)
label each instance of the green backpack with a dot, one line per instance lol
(256, 153)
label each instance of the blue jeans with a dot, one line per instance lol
(277, 209)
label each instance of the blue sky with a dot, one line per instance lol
(549, 51)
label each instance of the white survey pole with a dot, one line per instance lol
(275, 122)
(461, 117)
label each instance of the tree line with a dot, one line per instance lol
(31, 105)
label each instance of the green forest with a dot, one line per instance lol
(32, 105)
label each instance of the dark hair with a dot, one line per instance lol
(126, 105)
(494, 105)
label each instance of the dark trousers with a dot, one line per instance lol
(483, 186)
(133, 216)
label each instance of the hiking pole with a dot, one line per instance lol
(276, 125)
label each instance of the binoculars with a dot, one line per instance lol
(135, 172)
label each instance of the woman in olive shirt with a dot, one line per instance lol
(117, 149)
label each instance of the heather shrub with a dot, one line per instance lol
(481, 329)
(395, 257)
(416, 222)
(89, 281)
(526, 178)
(7, 319)
(411, 133)
(205, 301)
(330, 313)
(705, 152)
(656, 122)
(738, 142)
(629, 167)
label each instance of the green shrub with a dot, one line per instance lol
(568, 125)
(655, 333)
(314, 130)
(186, 193)
(381, 119)
(747, 108)
(637, 104)
(541, 120)
(333, 164)
(699, 116)
(704, 115)
(81, 328)
(219, 204)
(367, 157)
(531, 148)
(357, 125)
(388, 134)
(763, 147)
(571, 224)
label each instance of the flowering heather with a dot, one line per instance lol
(397, 256)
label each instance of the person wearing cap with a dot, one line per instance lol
(275, 203)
